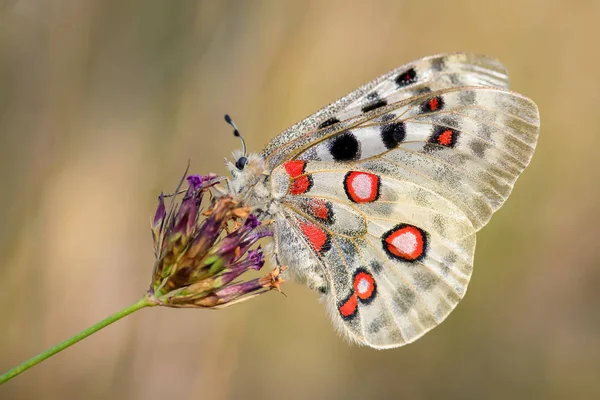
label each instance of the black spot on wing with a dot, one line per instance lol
(449, 260)
(405, 299)
(455, 79)
(326, 246)
(345, 147)
(467, 97)
(393, 134)
(376, 267)
(438, 64)
(377, 324)
(421, 90)
(478, 147)
(485, 131)
(440, 224)
(374, 105)
(385, 117)
(406, 78)
(373, 102)
(328, 122)
(447, 120)
(424, 279)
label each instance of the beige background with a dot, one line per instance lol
(103, 102)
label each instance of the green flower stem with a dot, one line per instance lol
(143, 302)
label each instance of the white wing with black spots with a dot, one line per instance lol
(376, 199)
(426, 75)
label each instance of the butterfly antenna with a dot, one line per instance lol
(236, 132)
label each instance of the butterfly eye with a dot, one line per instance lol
(241, 163)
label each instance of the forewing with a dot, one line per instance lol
(425, 75)
(469, 145)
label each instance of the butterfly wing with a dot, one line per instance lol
(391, 266)
(379, 210)
(469, 144)
(425, 75)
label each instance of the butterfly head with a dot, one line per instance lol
(246, 169)
(245, 164)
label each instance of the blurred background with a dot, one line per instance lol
(102, 103)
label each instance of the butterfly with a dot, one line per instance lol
(374, 201)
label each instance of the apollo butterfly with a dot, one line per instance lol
(375, 199)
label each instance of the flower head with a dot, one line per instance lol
(201, 253)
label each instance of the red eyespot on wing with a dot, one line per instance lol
(405, 242)
(349, 307)
(444, 136)
(294, 168)
(433, 104)
(445, 139)
(364, 285)
(361, 187)
(321, 210)
(301, 184)
(364, 289)
(317, 237)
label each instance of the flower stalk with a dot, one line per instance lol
(143, 302)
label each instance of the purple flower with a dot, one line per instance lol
(161, 212)
(195, 181)
(252, 222)
(255, 257)
(202, 249)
